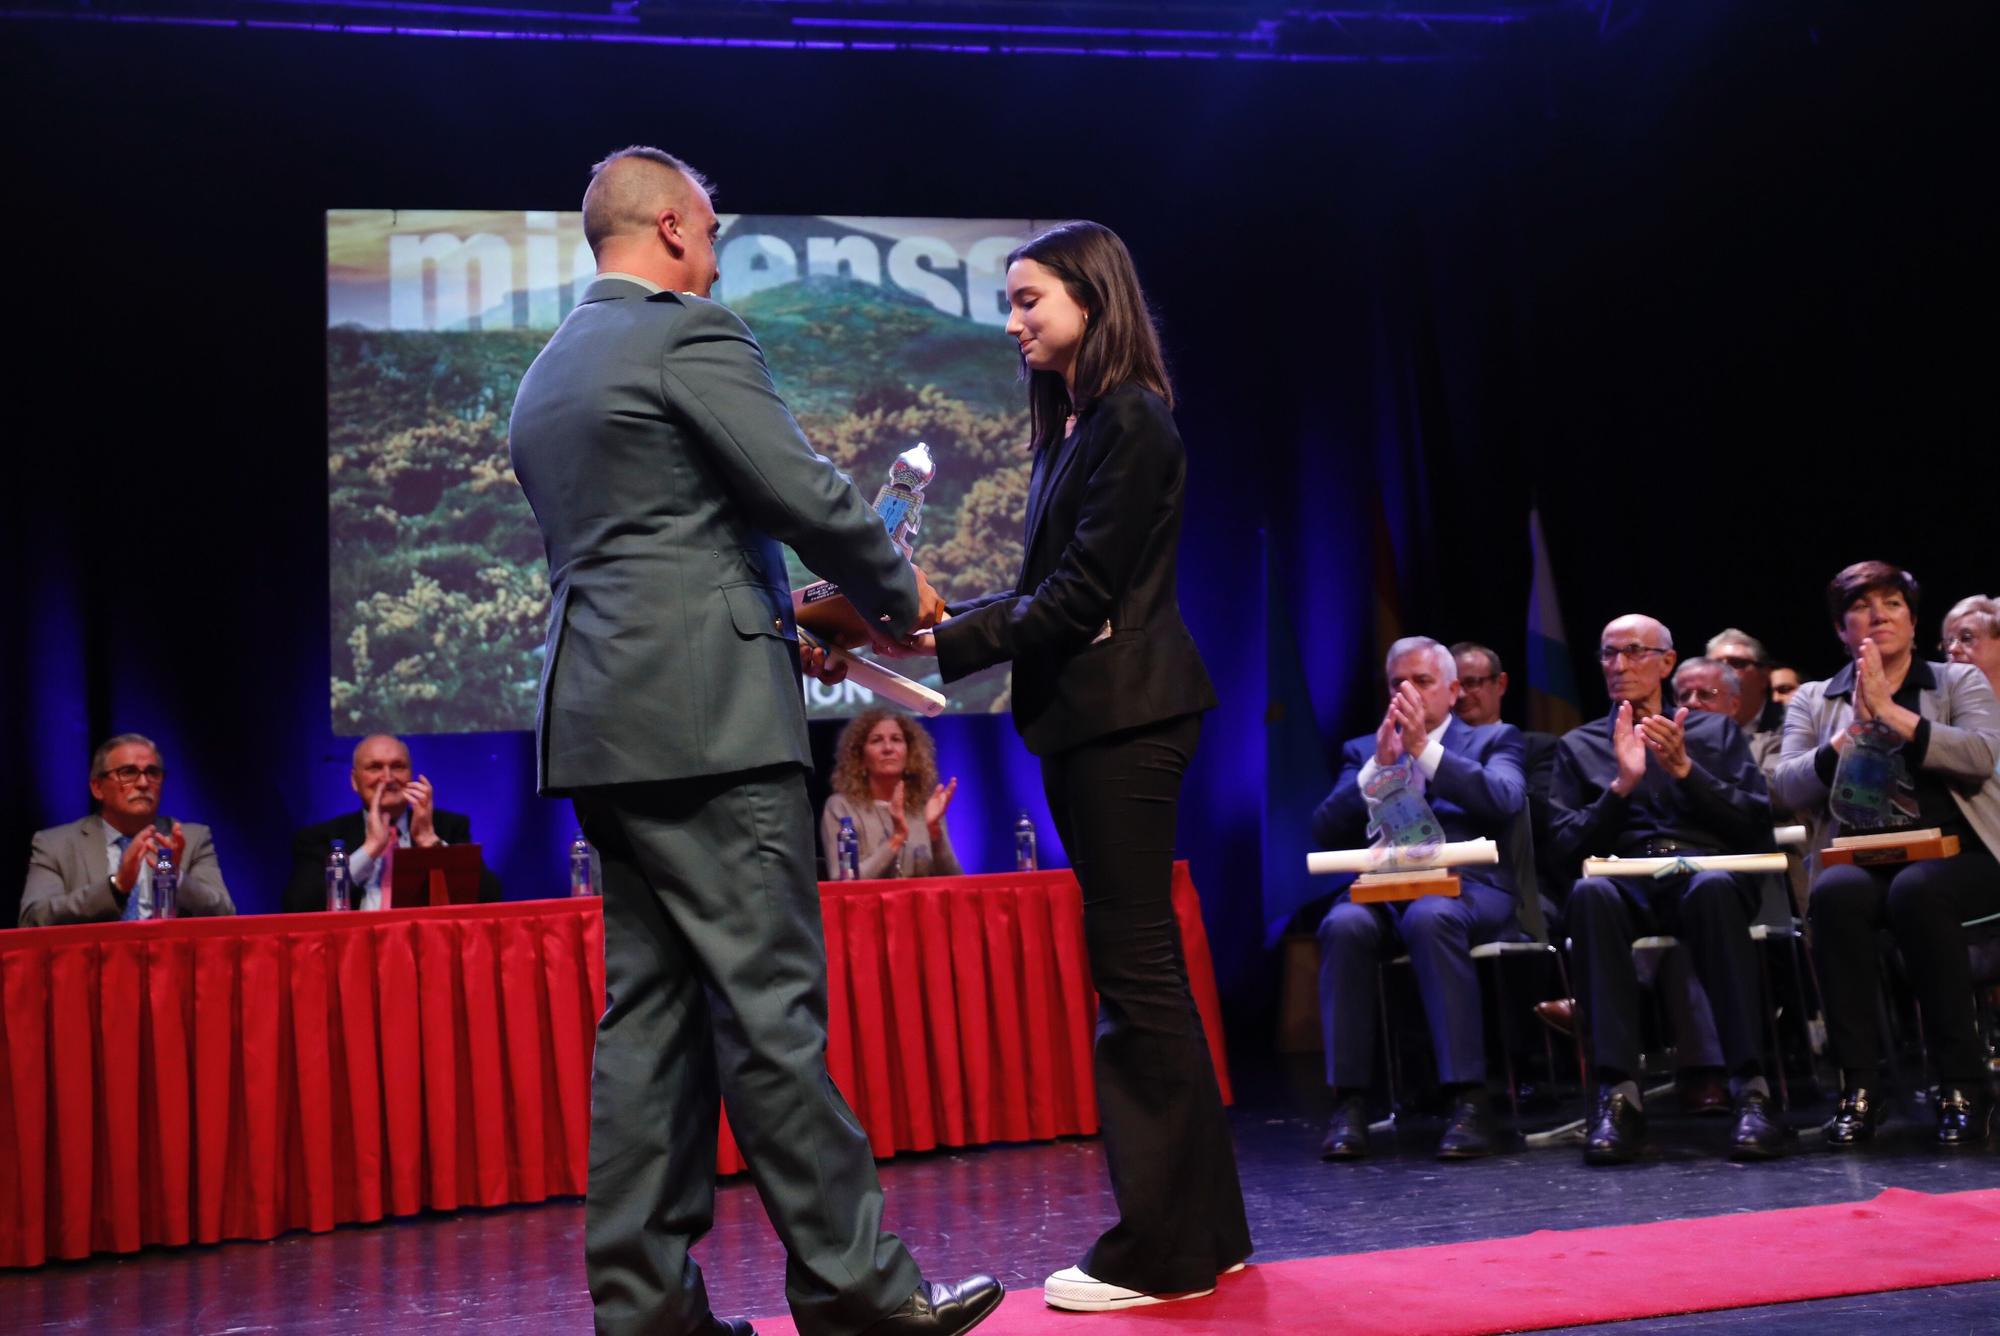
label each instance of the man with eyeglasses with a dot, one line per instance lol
(1744, 655)
(1472, 780)
(1642, 783)
(100, 869)
(398, 810)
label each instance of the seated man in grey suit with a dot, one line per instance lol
(1474, 785)
(101, 868)
(398, 811)
(667, 477)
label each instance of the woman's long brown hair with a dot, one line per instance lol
(1121, 346)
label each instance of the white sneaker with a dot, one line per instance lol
(1079, 1292)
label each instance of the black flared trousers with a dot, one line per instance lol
(1166, 1139)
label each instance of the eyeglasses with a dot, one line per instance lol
(1968, 638)
(1740, 662)
(1696, 695)
(1476, 683)
(129, 774)
(1608, 653)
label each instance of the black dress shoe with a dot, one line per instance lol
(1965, 1118)
(1860, 1112)
(1347, 1133)
(1617, 1130)
(1469, 1135)
(1702, 1092)
(942, 1310)
(1757, 1135)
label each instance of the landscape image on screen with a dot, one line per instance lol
(880, 332)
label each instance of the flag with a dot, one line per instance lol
(1554, 704)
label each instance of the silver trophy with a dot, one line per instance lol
(826, 618)
(900, 503)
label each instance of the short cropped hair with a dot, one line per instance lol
(1447, 666)
(109, 745)
(1865, 577)
(1980, 609)
(1744, 638)
(1729, 677)
(1474, 647)
(600, 220)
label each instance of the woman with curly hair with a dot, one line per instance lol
(885, 779)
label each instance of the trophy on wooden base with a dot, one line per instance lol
(826, 617)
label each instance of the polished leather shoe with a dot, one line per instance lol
(1757, 1135)
(1469, 1134)
(1559, 1015)
(1854, 1121)
(1617, 1130)
(1702, 1092)
(1965, 1118)
(937, 1309)
(1347, 1133)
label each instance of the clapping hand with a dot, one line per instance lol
(1667, 739)
(899, 818)
(423, 833)
(1407, 709)
(143, 851)
(935, 808)
(1629, 749)
(1871, 685)
(379, 832)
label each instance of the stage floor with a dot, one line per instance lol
(1021, 1212)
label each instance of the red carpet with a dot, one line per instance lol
(1556, 1278)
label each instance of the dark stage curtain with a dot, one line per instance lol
(1711, 288)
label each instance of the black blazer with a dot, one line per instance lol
(306, 892)
(1103, 529)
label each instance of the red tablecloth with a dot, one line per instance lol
(234, 1078)
(208, 1079)
(960, 1009)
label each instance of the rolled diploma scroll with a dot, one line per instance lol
(1789, 837)
(1653, 867)
(1462, 853)
(867, 673)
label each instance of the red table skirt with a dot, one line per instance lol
(235, 1078)
(960, 1009)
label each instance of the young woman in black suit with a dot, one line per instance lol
(1108, 692)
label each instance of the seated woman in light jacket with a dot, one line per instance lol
(1947, 730)
(885, 779)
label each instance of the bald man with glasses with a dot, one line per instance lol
(100, 869)
(1641, 783)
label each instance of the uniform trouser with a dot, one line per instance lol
(715, 990)
(1710, 913)
(1439, 932)
(1166, 1139)
(1923, 905)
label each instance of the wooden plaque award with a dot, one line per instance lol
(1888, 848)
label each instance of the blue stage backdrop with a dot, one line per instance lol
(1696, 286)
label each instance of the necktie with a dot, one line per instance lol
(132, 906)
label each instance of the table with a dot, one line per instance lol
(988, 1040)
(309, 1070)
(234, 1078)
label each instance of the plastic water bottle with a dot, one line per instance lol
(1024, 845)
(166, 885)
(847, 856)
(581, 879)
(338, 886)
